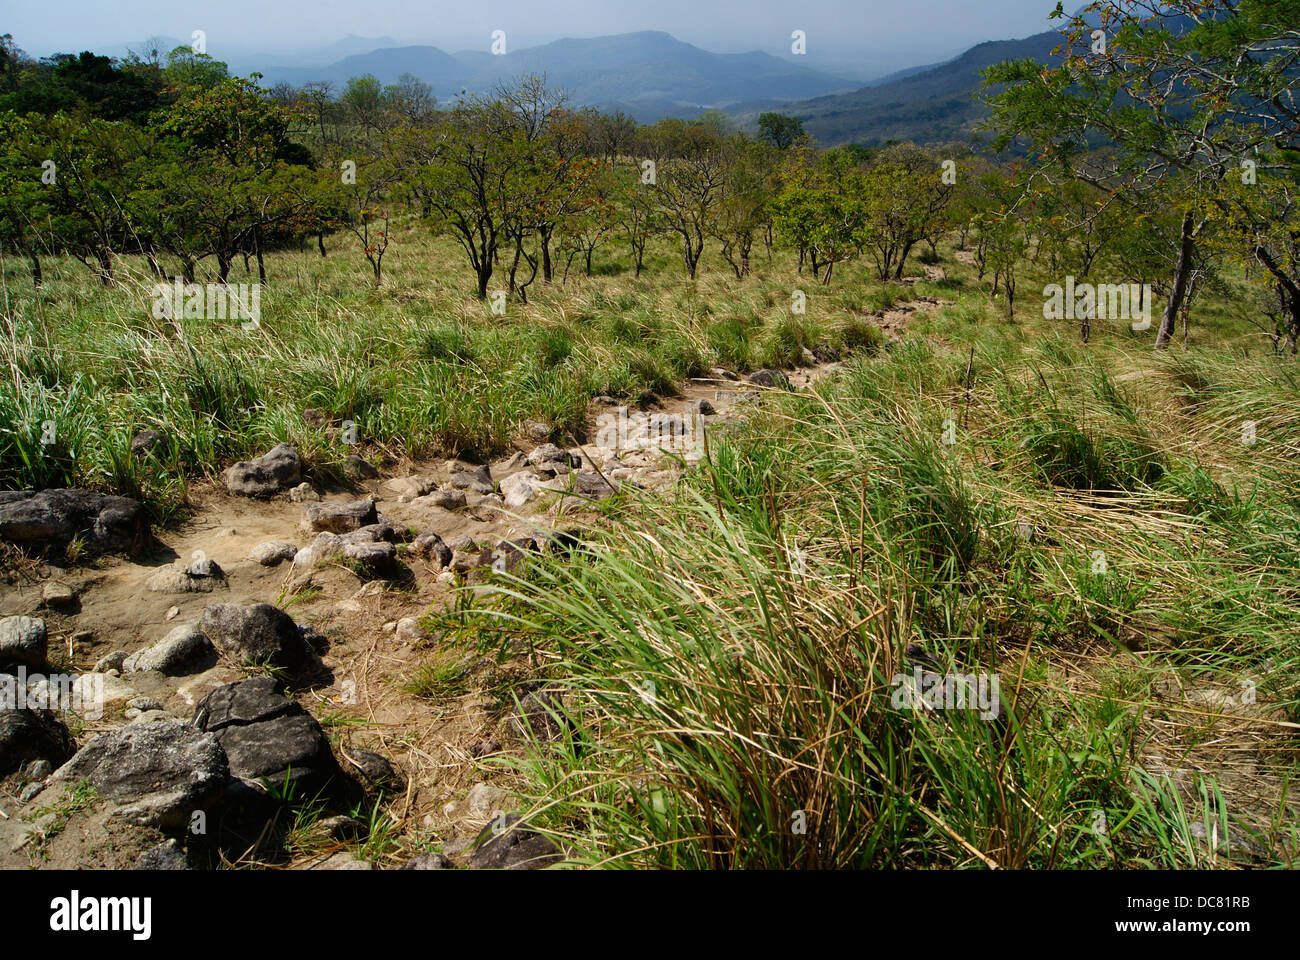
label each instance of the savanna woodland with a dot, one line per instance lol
(376, 507)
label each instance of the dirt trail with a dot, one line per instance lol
(438, 744)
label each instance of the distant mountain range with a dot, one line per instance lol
(925, 105)
(650, 74)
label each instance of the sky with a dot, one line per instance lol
(903, 31)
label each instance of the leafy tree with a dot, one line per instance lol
(779, 130)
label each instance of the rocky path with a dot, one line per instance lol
(328, 587)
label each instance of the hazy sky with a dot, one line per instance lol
(834, 27)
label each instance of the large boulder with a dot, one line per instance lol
(55, 517)
(155, 774)
(27, 735)
(265, 476)
(270, 741)
(184, 651)
(23, 641)
(257, 634)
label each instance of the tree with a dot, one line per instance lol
(1181, 92)
(779, 130)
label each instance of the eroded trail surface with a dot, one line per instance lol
(359, 567)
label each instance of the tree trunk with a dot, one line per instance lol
(320, 243)
(1182, 273)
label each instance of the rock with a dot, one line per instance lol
(317, 417)
(465, 477)
(514, 848)
(148, 443)
(38, 769)
(550, 460)
(185, 650)
(520, 488)
(427, 861)
(58, 596)
(371, 559)
(704, 408)
(341, 827)
(172, 614)
(825, 353)
(143, 704)
(408, 630)
(257, 634)
(721, 373)
(55, 517)
(113, 661)
(189, 693)
(604, 400)
(408, 488)
(539, 716)
(429, 546)
(339, 517)
(484, 800)
(23, 641)
(537, 429)
(463, 561)
(272, 552)
(267, 475)
(30, 735)
(378, 772)
(483, 748)
(168, 855)
(359, 469)
(269, 739)
(200, 577)
(587, 483)
(769, 378)
(100, 690)
(375, 533)
(304, 493)
(155, 774)
(446, 499)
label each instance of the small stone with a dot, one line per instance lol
(272, 552)
(339, 517)
(172, 613)
(409, 630)
(111, 662)
(427, 861)
(304, 493)
(266, 475)
(148, 443)
(58, 595)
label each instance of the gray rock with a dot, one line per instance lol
(339, 517)
(257, 634)
(29, 735)
(514, 848)
(427, 861)
(113, 661)
(304, 493)
(540, 716)
(376, 770)
(769, 378)
(721, 373)
(429, 546)
(148, 443)
(58, 596)
(551, 460)
(272, 552)
(446, 499)
(23, 641)
(463, 476)
(200, 577)
(155, 774)
(184, 651)
(168, 855)
(55, 517)
(38, 769)
(267, 475)
(269, 739)
(359, 469)
(30, 792)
